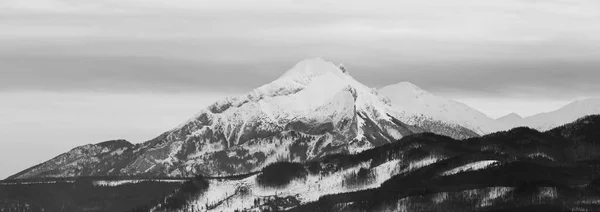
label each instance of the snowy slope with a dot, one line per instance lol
(415, 101)
(241, 194)
(314, 109)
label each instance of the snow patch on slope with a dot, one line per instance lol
(471, 167)
(112, 183)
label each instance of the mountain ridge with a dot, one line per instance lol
(405, 96)
(314, 109)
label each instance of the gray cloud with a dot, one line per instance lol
(531, 79)
(543, 78)
(481, 48)
(122, 74)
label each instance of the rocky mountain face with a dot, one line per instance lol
(314, 109)
(93, 159)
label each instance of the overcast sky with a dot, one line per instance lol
(74, 72)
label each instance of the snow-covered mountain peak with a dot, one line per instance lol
(510, 117)
(309, 84)
(406, 85)
(314, 67)
(407, 88)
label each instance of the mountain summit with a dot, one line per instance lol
(314, 109)
(510, 117)
(312, 67)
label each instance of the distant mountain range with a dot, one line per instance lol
(549, 120)
(313, 110)
(413, 100)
